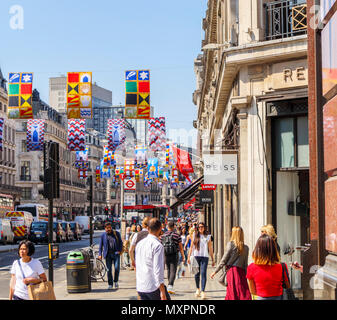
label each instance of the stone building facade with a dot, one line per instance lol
(9, 193)
(73, 191)
(252, 99)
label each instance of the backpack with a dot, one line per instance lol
(169, 244)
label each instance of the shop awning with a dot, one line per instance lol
(144, 207)
(187, 194)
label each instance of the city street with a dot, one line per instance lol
(184, 287)
(200, 130)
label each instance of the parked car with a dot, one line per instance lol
(39, 232)
(68, 231)
(6, 231)
(60, 233)
(76, 229)
(84, 221)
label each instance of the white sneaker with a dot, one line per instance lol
(170, 289)
(110, 287)
(203, 295)
(116, 285)
(197, 293)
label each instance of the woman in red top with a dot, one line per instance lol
(265, 274)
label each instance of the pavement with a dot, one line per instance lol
(184, 288)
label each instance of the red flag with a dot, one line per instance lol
(183, 161)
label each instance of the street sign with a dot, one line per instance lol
(130, 184)
(122, 176)
(129, 199)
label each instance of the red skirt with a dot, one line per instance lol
(237, 288)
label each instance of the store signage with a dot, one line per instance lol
(130, 184)
(208, 187)
(220, 168)
(206, 196)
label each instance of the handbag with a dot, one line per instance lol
(40, 291)
(194, 265)
(288, 293)
(223, 278)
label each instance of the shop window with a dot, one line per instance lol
(291, 142)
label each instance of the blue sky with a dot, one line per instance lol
(109, 37)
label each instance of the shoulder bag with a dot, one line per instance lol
(288, 293)
(194, 266)
(40, 291)
(223, 278)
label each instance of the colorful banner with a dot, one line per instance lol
(35, 134)
(140, 155)
(79, 95)
(152, 168)
(183, 161)
(137, 94)
(98, 175)
(105, 171)
(76, 135)
(20, 89)
(116, 133)
(157, 134)
(1, 132)
(82, 174)
(82, 159)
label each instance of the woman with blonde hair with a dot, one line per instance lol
(235, 261)
(270, 231)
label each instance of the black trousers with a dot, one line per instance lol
(155, 295)
(171, 262)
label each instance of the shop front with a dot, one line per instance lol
(290, 179)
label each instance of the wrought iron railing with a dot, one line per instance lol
(285, 18)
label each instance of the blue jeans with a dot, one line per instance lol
(203, 263)
(112, 258)
(155, 295)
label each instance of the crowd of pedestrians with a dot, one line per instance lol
(149, 248)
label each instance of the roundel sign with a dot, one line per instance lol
(130, 184)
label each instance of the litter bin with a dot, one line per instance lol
(78, 272)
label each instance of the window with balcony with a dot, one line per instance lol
(285, 18)
(25, 171)
(23, 145)
(26, 193)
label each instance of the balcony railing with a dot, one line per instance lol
(25, 178)
(286, 18)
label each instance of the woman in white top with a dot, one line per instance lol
(25, 271)
(201, 248)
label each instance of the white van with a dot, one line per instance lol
(84, 221)
(21, 222)
(6, 232)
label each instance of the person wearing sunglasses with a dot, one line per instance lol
(201, 248)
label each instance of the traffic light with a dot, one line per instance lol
(51, 176)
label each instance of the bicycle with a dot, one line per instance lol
(98, 269)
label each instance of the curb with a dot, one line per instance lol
(14, 247)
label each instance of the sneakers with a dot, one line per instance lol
(110, 287)
(203, 295)
(197, 293)
(116, 285)
(170, 289)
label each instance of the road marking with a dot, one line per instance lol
(42, 258)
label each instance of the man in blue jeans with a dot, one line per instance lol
(111, 245)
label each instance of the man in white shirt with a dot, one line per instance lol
(138, 237)
(150, 265)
